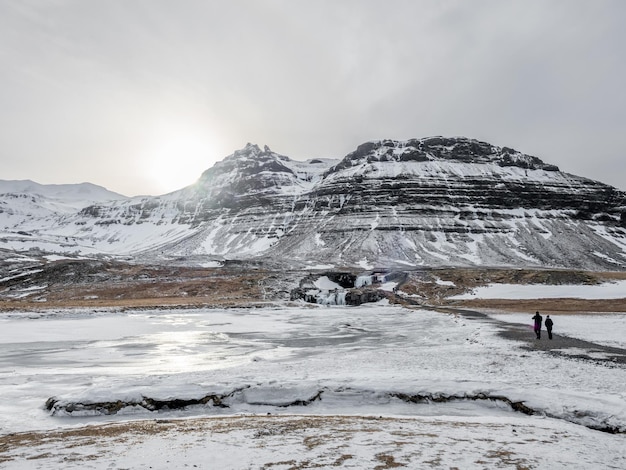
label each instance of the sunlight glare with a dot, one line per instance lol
(178, 159)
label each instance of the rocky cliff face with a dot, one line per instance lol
(434, 201)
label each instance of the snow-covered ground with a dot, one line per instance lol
(608, 330)
(607, 290)
(365, 364)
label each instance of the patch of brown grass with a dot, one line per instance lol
(159, 288)
(549, 306)
(388, 461)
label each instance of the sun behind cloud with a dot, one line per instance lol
(177, 158)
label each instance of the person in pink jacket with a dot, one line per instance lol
(538, 319)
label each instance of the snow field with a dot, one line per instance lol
(608, 290)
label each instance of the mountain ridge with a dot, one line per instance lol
(432, 201)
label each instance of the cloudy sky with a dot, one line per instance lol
(141, 96)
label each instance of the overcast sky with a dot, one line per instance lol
(141, 96)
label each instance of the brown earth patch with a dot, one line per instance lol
(101, 284)
(549, 306)
(98, 284)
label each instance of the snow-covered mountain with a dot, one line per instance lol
(24, 200)
(80, 195)
(29, 210)
(433, 201)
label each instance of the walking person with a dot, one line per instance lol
(549, 324)
(538, 319)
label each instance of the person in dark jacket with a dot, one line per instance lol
(538, 319)
(549, 324)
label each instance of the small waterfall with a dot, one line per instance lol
(332, 298)
(361, 281)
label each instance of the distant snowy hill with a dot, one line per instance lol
(77, 195)
(433, 201)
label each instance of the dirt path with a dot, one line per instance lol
(560, 345)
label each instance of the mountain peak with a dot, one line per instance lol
(249, 149)
(252, 151)
(246, 173)
(437, 148)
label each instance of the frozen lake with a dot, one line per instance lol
(360, 359)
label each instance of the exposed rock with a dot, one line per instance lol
(58, 407)
(362, 296)
(345, 280)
